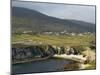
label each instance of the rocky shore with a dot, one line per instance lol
(22, 53)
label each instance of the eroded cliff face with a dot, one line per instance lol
(22, 52)
(31, 51)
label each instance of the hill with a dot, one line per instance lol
(24, 19)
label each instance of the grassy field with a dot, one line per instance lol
(61, 40)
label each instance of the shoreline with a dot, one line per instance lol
(31, 60)
(77, 58)
(70, 58)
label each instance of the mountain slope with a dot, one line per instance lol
(24, 19)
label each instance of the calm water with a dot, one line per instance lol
(40, 66)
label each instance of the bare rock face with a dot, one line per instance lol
(35, 51)
(41, 51)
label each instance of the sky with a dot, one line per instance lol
(63, 11)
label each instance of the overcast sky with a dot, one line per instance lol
(63, 11)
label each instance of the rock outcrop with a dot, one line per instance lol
(21, 53)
